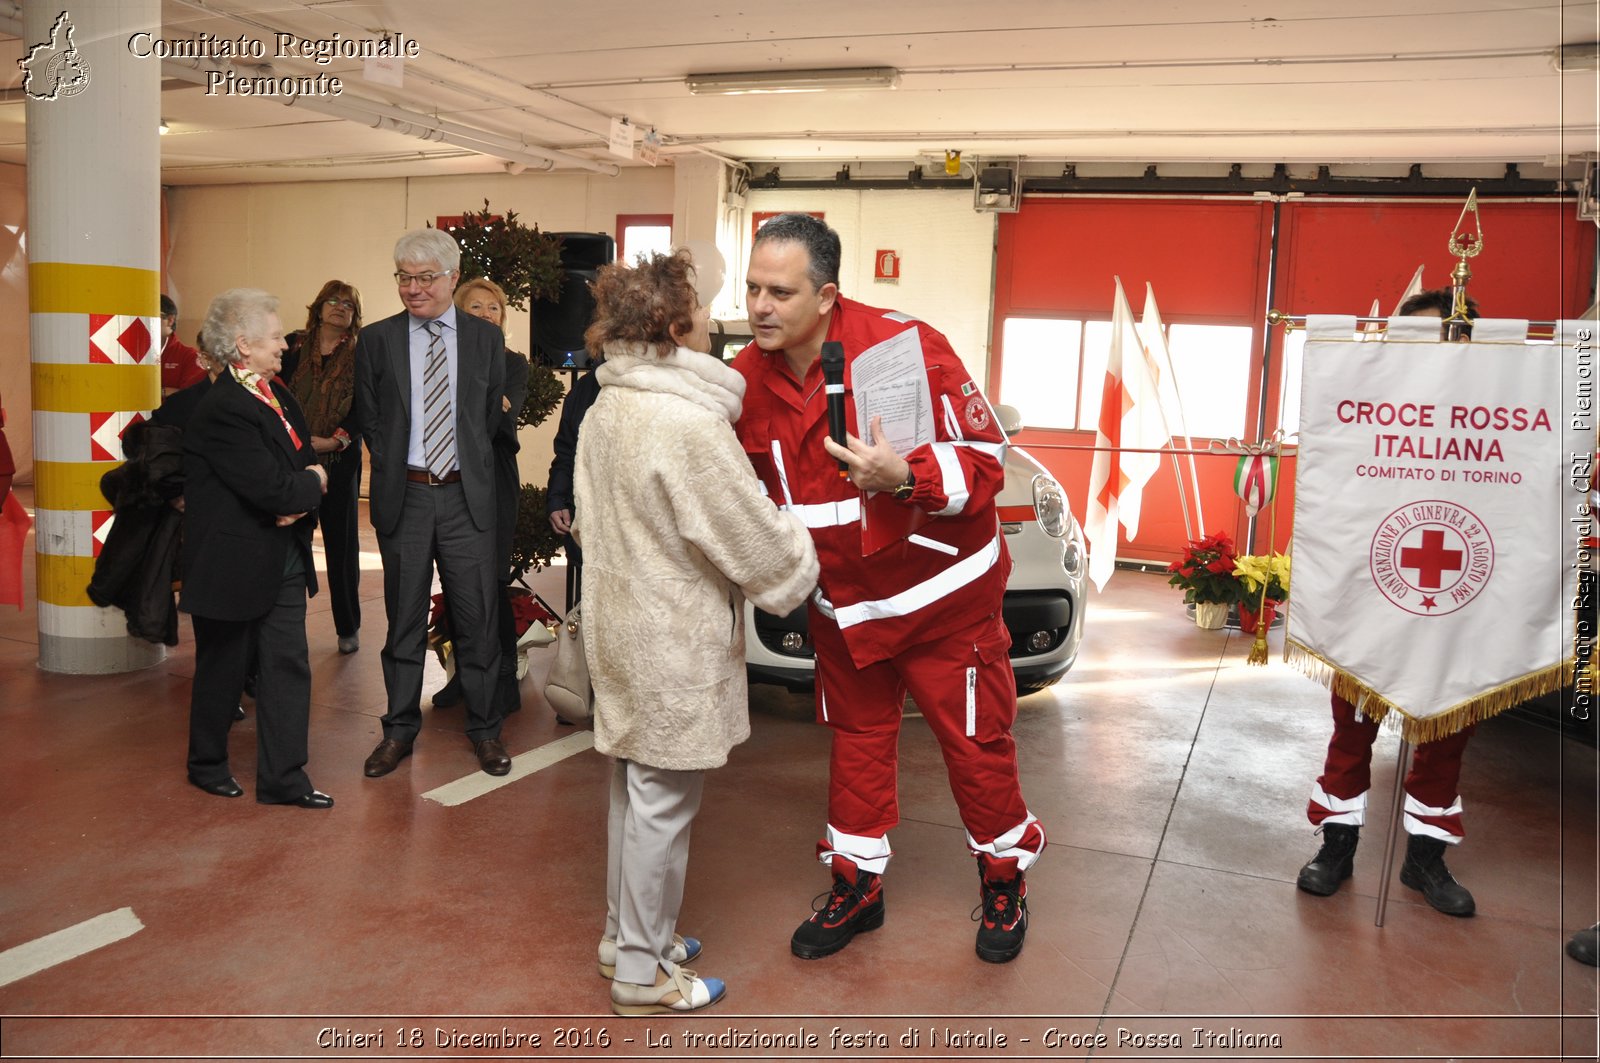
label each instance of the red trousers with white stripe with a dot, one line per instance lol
(967, 692)
(1432, 807)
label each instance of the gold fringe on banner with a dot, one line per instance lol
(1375, 706)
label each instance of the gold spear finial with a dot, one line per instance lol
(1463, 245)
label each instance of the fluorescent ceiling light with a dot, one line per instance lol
(752, 81)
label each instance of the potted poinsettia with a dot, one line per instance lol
(1205, 572)
(1264, 580)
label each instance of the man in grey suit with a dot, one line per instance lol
(428, 387)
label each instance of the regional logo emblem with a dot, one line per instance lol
(55, 69)
(1431, 557)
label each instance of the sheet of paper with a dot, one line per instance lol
(890, 381)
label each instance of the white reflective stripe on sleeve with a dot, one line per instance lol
(824, 606)
(952, 423)
(997, 451)
(972, 702)
(925, 593)
(827, 514)
(1005, 846)
(932, 544)
(1414, 825)
(954, 479)
(1348, 810)
(895, 315)
(783, 475)
(868, 854)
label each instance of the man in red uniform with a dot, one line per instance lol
(919, 615)
(180, 363)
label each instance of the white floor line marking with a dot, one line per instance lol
(68, 944)
(524, 764)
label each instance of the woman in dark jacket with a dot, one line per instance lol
(320, 368)
(251, 481)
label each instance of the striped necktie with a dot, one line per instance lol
(439, 432)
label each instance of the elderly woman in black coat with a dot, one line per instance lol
(251, 483)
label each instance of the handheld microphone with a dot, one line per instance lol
(833, 385)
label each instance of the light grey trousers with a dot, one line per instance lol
(647, 855)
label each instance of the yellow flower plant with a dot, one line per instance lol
(1254, 570)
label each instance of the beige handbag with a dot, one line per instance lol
(567, 688)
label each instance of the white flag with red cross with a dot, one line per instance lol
(1130, 417)
(1433, 546)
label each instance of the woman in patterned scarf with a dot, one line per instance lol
(320, 368)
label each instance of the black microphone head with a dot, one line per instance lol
(833, 358)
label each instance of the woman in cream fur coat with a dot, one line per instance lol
(675, 533)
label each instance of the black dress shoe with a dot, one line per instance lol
(226, 788)
(387, 757)
(238, 713)
(492, 757)
(315, 799)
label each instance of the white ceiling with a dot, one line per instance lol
(1118, 81)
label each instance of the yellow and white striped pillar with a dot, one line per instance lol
(93, 114)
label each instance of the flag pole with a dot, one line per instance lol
(1401, 765)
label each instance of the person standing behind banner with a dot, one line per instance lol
(1338, 804)
(430, 385)
(250, 484)
(180, 363)
(922, 614)
(320, 367)
(677, 532)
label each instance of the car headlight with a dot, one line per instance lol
(1050, 505)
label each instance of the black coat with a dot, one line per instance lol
(135, 568)
(242, 471)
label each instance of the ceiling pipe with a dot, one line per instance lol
(381, 116)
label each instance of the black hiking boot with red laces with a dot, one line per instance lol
(1002, 919)
(853, 906)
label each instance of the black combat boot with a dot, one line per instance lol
(1424, 870)
(1334, 861)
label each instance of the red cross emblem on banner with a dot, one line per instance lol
(1431, 557)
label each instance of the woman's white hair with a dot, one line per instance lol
(420, 247)
(236, 312)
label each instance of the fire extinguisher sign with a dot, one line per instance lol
(886, 266)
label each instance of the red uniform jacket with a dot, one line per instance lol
(946, 578)
(180, 365)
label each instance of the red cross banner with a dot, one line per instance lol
(1437, 524)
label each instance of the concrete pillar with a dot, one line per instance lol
(93, 113)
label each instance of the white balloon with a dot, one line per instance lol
(710, 268)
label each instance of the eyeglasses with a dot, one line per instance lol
(348, 305)
(405, 280)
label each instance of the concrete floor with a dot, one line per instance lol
(1171, 777)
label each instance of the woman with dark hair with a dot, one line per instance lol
(675, 533)
(320, 368)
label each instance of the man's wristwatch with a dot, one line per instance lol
(908, 485)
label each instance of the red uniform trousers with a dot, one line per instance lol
(967, 692)
(1433, 805)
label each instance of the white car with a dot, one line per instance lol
(1044, 599)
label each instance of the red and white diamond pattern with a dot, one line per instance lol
(105, 433)
(120, 339)
(100, 527)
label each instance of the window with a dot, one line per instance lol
(1212, 366)
(1042, 359)
(639, 235)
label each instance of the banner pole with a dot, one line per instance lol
(1401, 764)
